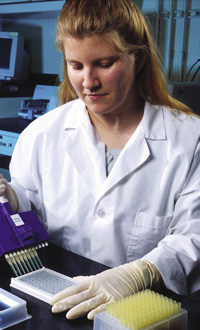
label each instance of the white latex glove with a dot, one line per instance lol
(93, 293)
(5, 189)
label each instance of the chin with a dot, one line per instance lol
(98, 111)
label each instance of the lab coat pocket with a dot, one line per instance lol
(147, 231)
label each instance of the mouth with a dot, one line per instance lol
(95, 96)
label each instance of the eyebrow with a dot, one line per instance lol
(99, 59)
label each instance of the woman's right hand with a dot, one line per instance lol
(5, 189)
(3, 185)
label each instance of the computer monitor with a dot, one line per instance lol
(14, 60)
(186, 92)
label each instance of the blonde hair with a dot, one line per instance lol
(122, 24)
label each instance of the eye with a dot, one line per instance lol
(75, 66)
(107, 63)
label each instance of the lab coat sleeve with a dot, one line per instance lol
(177, 256)
(23, 167)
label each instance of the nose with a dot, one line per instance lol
(90, 79)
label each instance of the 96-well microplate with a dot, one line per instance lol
(42, 284)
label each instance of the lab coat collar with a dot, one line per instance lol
(137, 152)
(88, 153)
(153, 123)
(75, 115)
(133, 155)
(84, 147)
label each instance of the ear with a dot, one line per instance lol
(140, 63)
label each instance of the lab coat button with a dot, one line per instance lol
(101, 213)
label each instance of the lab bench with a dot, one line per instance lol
(71, 264)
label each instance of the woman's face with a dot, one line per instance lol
(102, 77)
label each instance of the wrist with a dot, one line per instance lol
(14, 201)
(155, 278)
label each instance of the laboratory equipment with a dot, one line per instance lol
(31, 109)
(44, 99)
(14, 60)
(146, 310)
(12, 309)
(42, 284)
(186, 92)
(21, 235)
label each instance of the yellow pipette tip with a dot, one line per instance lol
(142, 309)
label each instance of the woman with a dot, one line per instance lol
(114, 172)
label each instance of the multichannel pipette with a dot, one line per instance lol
(21, 234)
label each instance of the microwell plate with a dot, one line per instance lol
(42, 284)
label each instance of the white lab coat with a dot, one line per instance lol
(149, 205)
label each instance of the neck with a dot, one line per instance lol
(116, 129)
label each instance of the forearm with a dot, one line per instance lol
(178, 260)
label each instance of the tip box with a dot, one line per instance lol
(12, 309)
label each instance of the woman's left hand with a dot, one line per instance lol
(93, 293)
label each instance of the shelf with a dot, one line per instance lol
(12, 89)
(22, 92)
(43, 7)
(13, 125)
